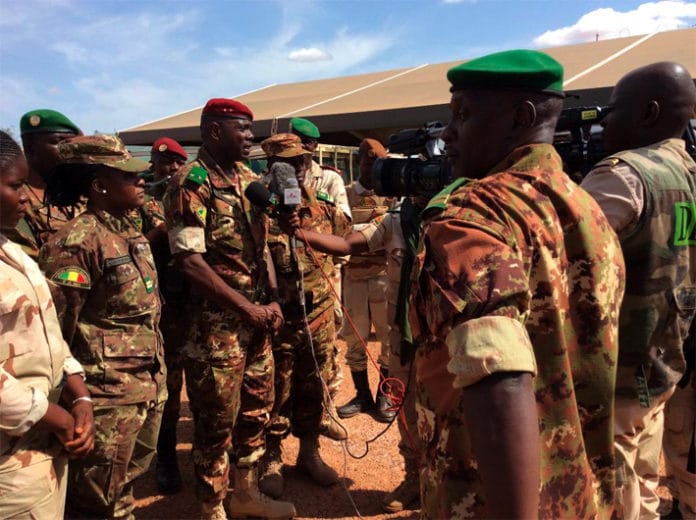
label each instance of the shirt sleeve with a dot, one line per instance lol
(478, 300)
(185, 214)
(619, 192)
(375, 233)
(21, 406)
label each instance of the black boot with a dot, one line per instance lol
(362, 402)
(168, 475)
(384, 412)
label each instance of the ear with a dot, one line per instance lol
(525, 115)
(215, 130)
(98, 186)
(652, 113)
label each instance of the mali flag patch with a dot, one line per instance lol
(72, 276)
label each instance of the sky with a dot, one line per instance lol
(114, 64)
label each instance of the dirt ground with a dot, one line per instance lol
(366, 480)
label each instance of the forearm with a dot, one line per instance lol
(74, 388)
(354, 243)
(502, 421)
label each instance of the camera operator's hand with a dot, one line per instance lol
(289, 223)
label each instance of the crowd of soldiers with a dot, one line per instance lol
(539, 328)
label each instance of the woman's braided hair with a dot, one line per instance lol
(9, 150)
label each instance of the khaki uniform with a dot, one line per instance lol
(538, 291)
(365, 282)
(106, 275)
(34, 358)
(660, 249)
(229, 365)
(299, 403)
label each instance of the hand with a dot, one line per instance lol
(59, 422)
(83, 438)
(267, 317)
(289, 223)
(278, 318)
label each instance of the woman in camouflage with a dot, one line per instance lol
(106, 275)
(38, 429)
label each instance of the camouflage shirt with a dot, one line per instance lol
(322, 217)
(105, 272)
(207, 213)
(519, 271)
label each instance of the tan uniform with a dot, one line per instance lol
(33, 360)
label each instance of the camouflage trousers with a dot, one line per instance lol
(101, 485)
(299, 403)
(366, 304)
(36, 490)
(175, 325)
(229, 378)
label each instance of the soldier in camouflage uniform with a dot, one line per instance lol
(647, 190)
(219, 242)
(327, 179)
(36, 367)
(514, 307)
(304, 347)
(166, 158)
(365, 281)
(41, 132)
(106, 275)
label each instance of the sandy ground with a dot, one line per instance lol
(368, 475)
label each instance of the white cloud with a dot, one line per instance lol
(608, 23)
(309, 54)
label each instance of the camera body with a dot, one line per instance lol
(424, 170)
(579, 145)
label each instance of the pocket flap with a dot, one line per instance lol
(123, 345)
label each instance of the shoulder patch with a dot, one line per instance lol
(197, 175)
(72, 276)
(202, 212)
(325, 197)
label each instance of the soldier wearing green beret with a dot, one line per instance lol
(42, 130)
(514, 307)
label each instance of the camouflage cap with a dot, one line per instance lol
(107, 150)
(44, 120)
(304, 128)
(283, 145)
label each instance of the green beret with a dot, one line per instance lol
(509, 70)
(304, 127)
(46, 120)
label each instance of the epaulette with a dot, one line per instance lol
(609, 161)
(78, 232)
(325, 197)
(332, 168)
(197, 175)
(439, 201)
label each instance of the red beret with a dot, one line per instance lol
(167, 144)
(227, 108)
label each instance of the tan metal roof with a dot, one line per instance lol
(348, 108)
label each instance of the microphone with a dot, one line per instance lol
(284, 184)
(260, 196)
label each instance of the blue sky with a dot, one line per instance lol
(111, 65)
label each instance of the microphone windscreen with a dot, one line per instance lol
(283, 177)
(258, 194)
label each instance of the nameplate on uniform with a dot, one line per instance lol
(323, 196)
(120, 260)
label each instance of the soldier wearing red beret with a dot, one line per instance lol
(218, 240)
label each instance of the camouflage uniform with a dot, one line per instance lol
(299, 391)
(105, 271)
(39, 223)
(538, 292)
(365, 282)
(659, 245)
(34, 358)
(229, 367)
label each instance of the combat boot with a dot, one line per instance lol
(212, 511)
(309, 461)
(408, 492)
(271, 468)
(168, 474)
(246, 501)
(362, 402)
(384, 413)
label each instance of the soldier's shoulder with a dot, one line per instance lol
(331, 170)
(78, 232)
(194, 174)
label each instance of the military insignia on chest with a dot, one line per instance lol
(325, 197)
(685, 224)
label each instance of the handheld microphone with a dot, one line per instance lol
(284, 184)
(261, 197)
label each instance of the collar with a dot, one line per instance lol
(124, 226)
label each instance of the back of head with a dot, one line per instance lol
(9, 151)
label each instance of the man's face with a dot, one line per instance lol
(309, 144)
(236, 137)
(165, 164)
(13, 197)
(41, 150)
(620, 125)
(475, 136)
(300, 163)
(366, 161)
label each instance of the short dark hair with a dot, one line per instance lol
(9, 150)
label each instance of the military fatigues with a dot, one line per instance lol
(659, 245)
(365, 282)
(105, 271)
(229, 367)
(299, 391)
(34, 358)
(540, 293)
(39, 223)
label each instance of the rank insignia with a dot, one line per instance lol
(35, 120)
